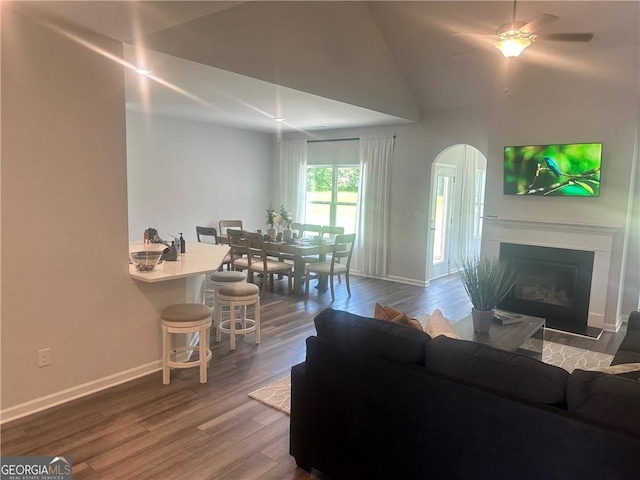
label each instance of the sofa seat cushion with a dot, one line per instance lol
(369, 336)
(488, 367)
(609, 399)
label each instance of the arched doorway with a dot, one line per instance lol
(457, 202)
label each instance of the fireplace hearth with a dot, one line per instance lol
(554, 283)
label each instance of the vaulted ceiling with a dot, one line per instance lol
(330, 64)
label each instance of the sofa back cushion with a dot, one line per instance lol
(609, 399)
(368, 336)
(509, 372)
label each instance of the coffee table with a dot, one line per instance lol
(529, 332)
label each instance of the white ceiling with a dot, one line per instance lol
(186, 89)
(330, 64)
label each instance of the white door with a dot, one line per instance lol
(443, 194)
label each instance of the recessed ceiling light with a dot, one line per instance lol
(279, 119)
(143, 71)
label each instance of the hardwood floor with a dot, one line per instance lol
(187, 430)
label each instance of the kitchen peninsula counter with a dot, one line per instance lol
(199, 259)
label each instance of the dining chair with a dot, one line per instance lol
(207, 234)
(210, 235)
(238, 249)
(311, 230)
(259, 262)
(224, 225)
(296, 229)
(342, 248)
(330, 231)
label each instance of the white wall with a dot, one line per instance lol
(183, 173)
(548, 104)
(597, 102)
(65, 281)
(416, 147)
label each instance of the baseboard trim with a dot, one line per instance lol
(408, 281)
(64, 396)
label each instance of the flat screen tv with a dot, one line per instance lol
(570, 170)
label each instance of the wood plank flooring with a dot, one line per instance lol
(187, 430)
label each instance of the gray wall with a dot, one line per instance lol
(183, 173)
(416, 147)
(65, 281)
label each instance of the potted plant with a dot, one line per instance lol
(487, 282)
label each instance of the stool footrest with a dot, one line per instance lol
(225, 326)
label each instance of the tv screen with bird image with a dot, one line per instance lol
(570, 170)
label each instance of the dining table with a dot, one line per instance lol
(298, 249)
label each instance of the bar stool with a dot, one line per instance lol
(239, 294)
(185, 318)
(218, 279)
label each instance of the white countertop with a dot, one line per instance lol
(200, 258)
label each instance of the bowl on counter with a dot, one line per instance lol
(145, 261)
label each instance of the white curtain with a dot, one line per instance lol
(467, 202)
(370, 255)
(292, 174)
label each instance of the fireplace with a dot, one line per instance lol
(597, 239)
(554, 283)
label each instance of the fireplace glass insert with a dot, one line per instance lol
(554, 283)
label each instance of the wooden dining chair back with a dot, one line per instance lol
(207, 234)
(210, 235)
(259, 262)
(224, 225)
(311, 230)
(330, 231)
(296, 229)
(339, 264)
(238, 249)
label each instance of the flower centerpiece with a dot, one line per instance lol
(271, 221)
(285, 218)
(271, 216)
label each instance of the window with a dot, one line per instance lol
(333, 180)
(332, 195)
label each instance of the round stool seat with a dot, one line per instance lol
(185, 318)
(238, 294)
(186, 314)
(228, 276)
(235, 290)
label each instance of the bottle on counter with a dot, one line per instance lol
(183, 246)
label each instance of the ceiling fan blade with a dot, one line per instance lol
(565, 37)
(537, 23)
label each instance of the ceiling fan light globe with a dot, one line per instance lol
(512, 47)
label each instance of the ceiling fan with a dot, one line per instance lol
(514, 36)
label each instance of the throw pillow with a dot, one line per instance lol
(437, 324)
(390, 314)
(627, 370)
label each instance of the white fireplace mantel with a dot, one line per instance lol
(554, 225)
(577, 236)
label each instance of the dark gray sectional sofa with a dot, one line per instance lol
(378, 400)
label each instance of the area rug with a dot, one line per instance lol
(570, 358)
(278, 393)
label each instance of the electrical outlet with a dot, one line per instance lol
(405, 260)
(407, 216)
(44, 357)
